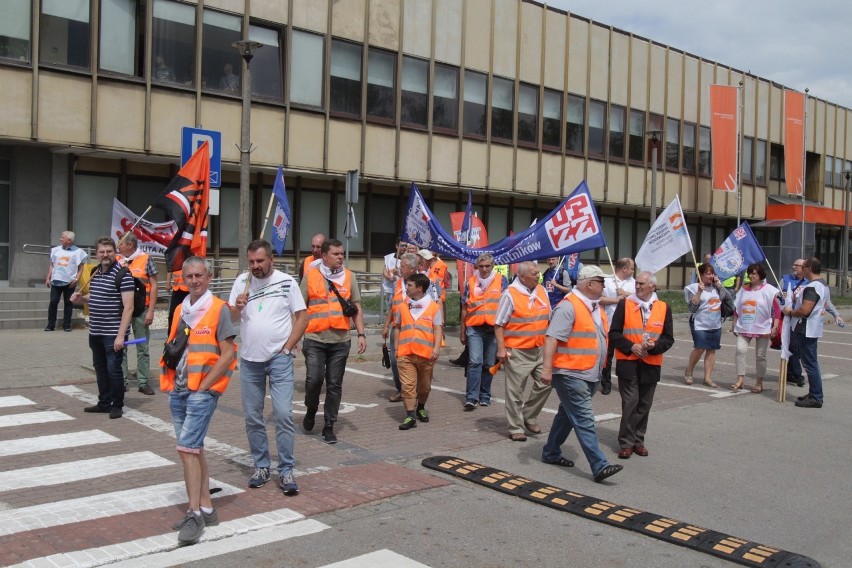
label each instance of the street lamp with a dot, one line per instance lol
(246, 48)
(845, 247)
(655, 138)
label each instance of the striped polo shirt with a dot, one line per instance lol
(105, 304)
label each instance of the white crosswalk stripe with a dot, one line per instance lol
(54, 442)
(17, 400)
(32, 418)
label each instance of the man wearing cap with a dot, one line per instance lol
(617, 287)
(575, 349)
(478, 314)
(424, 264)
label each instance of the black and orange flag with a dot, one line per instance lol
(186, 201)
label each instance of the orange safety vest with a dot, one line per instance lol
(527, 325)
(438, 271)
(306, 264)
(397, 297)
(177, 281)
(417, 337)
(482, 308)
(580, 352)
(138, 268)
(324, 311)
(634, 331)
(202, 352)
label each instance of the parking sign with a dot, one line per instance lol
(192, 138)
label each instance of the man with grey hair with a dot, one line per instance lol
(63, 274)
(522, 317)
(478, 311)
(640, 332)
(574, 353)
(408, 263)
(142, 267)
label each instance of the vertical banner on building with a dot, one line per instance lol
(724, 125)
(794, 141)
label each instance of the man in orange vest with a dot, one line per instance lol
(478, 311)
(522, 317)
(328, 289)
(179, 292)
(419, 324)
(407, 266)
(641, 331)
(316, 254)
(574, 355)
(141, 266)
(194, 383)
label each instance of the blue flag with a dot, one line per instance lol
(572, 227)
(465, 228)
(283, 219)
(738, 251)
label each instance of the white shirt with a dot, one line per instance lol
(65, 263)
(611, 288)
(267, 319)
(391, 262)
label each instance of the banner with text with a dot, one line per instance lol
(153, 238)
(667, 241)
(724, 124)
(738, 251)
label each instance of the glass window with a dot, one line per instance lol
(521, 221)
(475, 98)
(229, 218)
(266, 69)
(141, 194)
(551, 119)
(846, 176)
(345, 87)
(92, 207)
(122, 36)
(575, 124)
(838, 173)
(313, 217)
(748, 152)
(625, 238)
(688, 147)
(415, 91)
(64, 33)
(760, 162)
(704, 149)
(655, 124)
(637, 136)
(616, 132)
(445, 101)
(829, 171)
(528, 114)
(15, 30)
(498, 223)
(381, 76)
(383, 226)
(776, 162)
(608, 226)
(356, 244)
(597, 128)
(173, 43)
(502, 105)
(672, 142)
(306, 72)
(221, 64)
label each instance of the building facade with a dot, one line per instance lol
(517, 101)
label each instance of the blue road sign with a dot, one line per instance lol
(192, 138)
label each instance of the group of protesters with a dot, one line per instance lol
(563, 331)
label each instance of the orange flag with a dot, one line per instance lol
(794, 141)
(724, 123)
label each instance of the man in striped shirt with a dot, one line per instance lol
(110, 311)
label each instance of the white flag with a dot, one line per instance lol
(667, 241)
(786, 324)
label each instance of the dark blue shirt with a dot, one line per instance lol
(105, 305)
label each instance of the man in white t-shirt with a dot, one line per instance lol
(616, 287)
(391, 271)
(272, 317)
(66, 267)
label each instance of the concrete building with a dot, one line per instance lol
(514, 100)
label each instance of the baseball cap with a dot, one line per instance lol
(423, 253)
(592, 272)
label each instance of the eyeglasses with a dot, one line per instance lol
(599, 281)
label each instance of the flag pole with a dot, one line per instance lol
(558, 267)
(772, 272)
(612, 267)
(266, 218)
(130, 230)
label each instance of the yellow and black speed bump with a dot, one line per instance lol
(730, 548)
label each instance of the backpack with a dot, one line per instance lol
(140, 294)
(727, 308)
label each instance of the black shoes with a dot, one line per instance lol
(808, 402)
(606, 389)
(115, 412)
(328, 434)
(798, 381)
(96, 408)
(48, 328)
(310, 419)
(146, 390)
(608, 471)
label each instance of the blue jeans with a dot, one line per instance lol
(58, 291)
(253, 387)
(191, 415)
(482, 354)
(325, 362)
(107, 363)
(806, 350)
(575, 412)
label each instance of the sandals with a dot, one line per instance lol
(758, 388)
(687, 379)
(711, 384)
(562, 462)
(738, 385)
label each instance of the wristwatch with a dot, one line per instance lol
(364, 335)
(286, 351)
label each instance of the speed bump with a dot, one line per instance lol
(708, 541)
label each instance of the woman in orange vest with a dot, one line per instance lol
(419, 327)
(641, 331)
(195, 379)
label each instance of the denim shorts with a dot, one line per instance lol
(706, 338)
(191, 414)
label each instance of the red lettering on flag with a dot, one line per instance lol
(573, 223)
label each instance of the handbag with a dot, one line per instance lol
(173, 350)
(348, 308)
